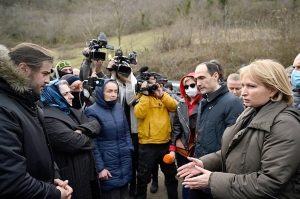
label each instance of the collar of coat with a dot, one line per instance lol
(266, 116)
(11, 73)
(222, 90)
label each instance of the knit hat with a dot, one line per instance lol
(70, 78)
(60, 65)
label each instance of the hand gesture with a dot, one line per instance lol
(104, 174)
(144, 85)
(110, 65)
(126, 80)
(64, 188)
(78, 131)
(86, 53)
(201, 181)
(159, 92)
(188, 170)
(98, 68)
(64, 193)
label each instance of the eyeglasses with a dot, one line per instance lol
(187, 86)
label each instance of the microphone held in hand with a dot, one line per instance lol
(168, 159)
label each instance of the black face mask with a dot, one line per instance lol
(111, 103)
(61, 73)
(78, 99)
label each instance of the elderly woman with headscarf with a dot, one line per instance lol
(70, 133)
(113, 146)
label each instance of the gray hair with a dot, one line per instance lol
(234, 77)
(63, 82)
(289, 69)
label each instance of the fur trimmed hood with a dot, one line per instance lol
(11, 74)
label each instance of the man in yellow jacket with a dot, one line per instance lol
(154, 131)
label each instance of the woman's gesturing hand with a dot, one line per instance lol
(201, 181)
(188, 170)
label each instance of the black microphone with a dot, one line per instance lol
(143, 69)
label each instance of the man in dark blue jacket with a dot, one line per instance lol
(219, 109)
(27, 169)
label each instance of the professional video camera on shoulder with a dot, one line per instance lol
(144, 76)
(121, 65)
(95, 45)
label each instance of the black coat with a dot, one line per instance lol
(218, 111)
(182, 123)
(26, 164)
(73, 151)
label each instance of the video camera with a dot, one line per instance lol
(121, 65)
(144, 76)
(95, 45)
(95, 81)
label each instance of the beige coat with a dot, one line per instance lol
(260, 161)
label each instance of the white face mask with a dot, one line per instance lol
(191, 92)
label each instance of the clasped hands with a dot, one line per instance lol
(65, 190)
(195, 176)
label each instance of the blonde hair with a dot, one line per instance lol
(272, 74)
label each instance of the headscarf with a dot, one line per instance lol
(78, 99)
(99, 93)
(51, 96)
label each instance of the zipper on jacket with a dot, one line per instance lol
(120, 158)
(186, 125)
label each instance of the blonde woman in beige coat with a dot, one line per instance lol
(259, 155)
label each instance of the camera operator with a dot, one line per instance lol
(126, 97)
(86, 68)
(154, 129)
(168, 87)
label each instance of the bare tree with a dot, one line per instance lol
(224, 8)
(120, 15)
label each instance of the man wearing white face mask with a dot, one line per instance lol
(295, 80)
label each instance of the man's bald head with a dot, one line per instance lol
(296, 64)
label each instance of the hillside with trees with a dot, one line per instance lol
(172, 36)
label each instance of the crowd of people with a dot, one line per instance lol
(62, 136)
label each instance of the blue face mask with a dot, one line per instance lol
(295, 78)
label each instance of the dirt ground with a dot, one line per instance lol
(162, 192)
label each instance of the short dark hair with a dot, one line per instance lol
(220, 68)
(212, 68)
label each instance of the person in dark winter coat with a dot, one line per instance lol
(219, 109)
(70, 133)
(259, 155)
(27, 168)
(113, 145)
(185, 119)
